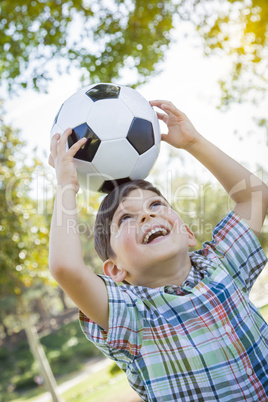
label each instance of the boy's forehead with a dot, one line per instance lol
(139, 195)
(136, 198)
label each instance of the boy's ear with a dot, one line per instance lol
(192, 239)
(111, 269)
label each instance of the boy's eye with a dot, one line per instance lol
(156, 204)
(123, 218)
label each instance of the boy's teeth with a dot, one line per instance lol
(162, 230)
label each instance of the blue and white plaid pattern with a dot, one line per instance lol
(203, 341)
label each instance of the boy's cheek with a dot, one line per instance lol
(179, 226)
(124, 232)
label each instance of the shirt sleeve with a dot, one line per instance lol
(123, 340)
(236, 245)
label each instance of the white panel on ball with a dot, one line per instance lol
(75, 111)
(88, 176)
(144, 164)
(56, 129)
(139, 106)
(157, 132)
(110, 119)
(115, 158)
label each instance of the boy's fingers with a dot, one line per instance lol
(63, 139)
(76, 146)
(58, 145)
(162, 116)
(164, 137)
(167, 107)
(173, 110)
(51, 161)
(159, 103)
(53, 144)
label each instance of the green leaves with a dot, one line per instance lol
(23, 232)
(99, 38)
(128, 38)
(238, 30)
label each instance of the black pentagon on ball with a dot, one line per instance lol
(89, 149)
(103, 91)
(110, 185)
(141, 135)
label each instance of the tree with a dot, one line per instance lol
(237, 29)
(23, 238)
(23, 232)
(104, 39)
(99, 38)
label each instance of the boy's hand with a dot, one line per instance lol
(63, 161)
(181, 132)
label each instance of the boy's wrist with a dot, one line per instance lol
(196, 144)
(65, 202)
(64, 187)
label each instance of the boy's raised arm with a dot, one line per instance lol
(248, 192)
(66, 263)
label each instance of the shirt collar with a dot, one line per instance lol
(199, 270)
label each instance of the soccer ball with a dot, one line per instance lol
(122, 131)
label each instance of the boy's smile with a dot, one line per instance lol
(153, 235)
(150, 242)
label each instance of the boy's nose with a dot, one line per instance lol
(146, 215)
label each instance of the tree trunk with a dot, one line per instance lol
(62, 298)
(40, 308)
(5, 330)
(40, 357)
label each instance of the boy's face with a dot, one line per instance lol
(149, 239)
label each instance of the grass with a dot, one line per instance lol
(264, 312)
(67, 349)
(98, 387)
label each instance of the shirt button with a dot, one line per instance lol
(249, 371)
(170, 290)
(228, 329)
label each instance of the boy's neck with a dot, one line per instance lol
(167, 273)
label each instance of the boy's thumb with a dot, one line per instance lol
(51, 161)
(164, 137)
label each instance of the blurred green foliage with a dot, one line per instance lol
(23, 232)
(99, 38)
(238, 31)
(105, 40)
(67, 349)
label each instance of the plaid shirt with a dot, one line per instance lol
(202, 341)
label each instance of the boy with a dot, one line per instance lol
(181, 325)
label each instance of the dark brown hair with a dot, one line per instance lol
(102, 230)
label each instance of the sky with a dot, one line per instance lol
(189, 80)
